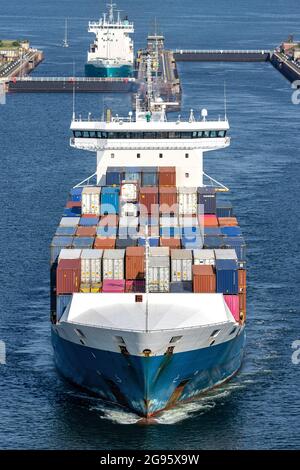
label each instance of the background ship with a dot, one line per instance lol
(111, 54)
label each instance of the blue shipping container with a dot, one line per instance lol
(106, 231)
(72, 211)
(207, 198)
(57, 244)
(212, 231)
(231, 231)
(89, 221)
(132, 174)
(181, 287)
(110, 200)
(62, 302)
(188, 243)
(65, 231)
(238, 244)
(214, 242)
(113, 178)
(227, 276)
(83, 242)
(153, 241)
(75, 194)
(190, 232)
(169, 232)
(124, 243)
(224, 209)
(149, 178)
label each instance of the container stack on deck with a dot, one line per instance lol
(195, 242)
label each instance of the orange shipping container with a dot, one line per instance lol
(242, 280)
(148, 200)
(168, 200)
(104, 243)
(86, 231)
(109, 220)
(135, 263)
(204, 279)
(173, 243)
(68, 276)
(243, 301)
(167, 176)
(229, 221)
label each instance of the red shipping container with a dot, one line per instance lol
(89, 216)
(242, 280)
(68, 276)
(149, 200)
(73, 204)
(204, 279)
(135, 263)
(109, 220)
(210, 220)
(113, 286)
(233, 303)
(167, 176)
(170, 242)
(104, 243)
(168, 200)
(136, 286)
(86, 231)
(229, 221)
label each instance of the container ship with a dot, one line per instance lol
(111, 54)
(148, 270)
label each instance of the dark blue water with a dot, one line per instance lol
(260, 407)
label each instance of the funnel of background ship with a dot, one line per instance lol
(111, 54)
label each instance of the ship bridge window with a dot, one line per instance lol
(221, 133)
(149, 135)
(213, 134)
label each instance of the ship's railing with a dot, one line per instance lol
(73, 79)
(107, 24)
(221, 51)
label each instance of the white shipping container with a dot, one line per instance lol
(129, 191)
(69, 221)
(155, 251)
(225, 253)
(204, 257)
(128, 209)
(168, 221)
(69, 253)
(91, 200)
(159, 274)
(91, 266)
(128, 221)
(187, 201)
(181, 265)
(113, 264)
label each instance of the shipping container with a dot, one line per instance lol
(69, 253)
(106, 231)
(227, 276)
(135, 286)
(86, 231)
(113, 264)
(187, 201)
(83, 242)
(226, 253)
(123, 243)
(148, 220)
(210, 220)
(85, 288)
(129, 191)
(65, 231)
(227, 221)
(190, 243)
(207, 199)
(152, 231)
(72, 212)
(165, 221)
(238, 244)
(242, 280)
(170, 232)
(159, 251)
(105, 243)
(231, 231)
(232, 302)
(167, 176)
(149, 178)
(190, 232)
(113, 177)
(212, 231)
(68, 276)
(128, 209)
(57, 244)
(70, 204)
(133, 174)
(185, 287)
(224, 209)
(75, 194)
(213, 242)
(113, 286)
(168, 200)
(159, 274)
(109, 220)
(204, 279)
(129, 221)
(148, 200)
(91, 266)
(91, 200)
(129, 231)
(181, 265)
(89, 221)
(243, 305)
(109, 200)
(62, 303)
(204, 257)
(135, 263)
(172, 243)
(153, 241)
(96, 287)
(69, 221)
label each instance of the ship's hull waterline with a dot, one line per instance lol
(100, 70)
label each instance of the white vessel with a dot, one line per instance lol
(111, 54)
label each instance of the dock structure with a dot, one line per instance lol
(182, 55)
(21, 65)
(284, 65)
(70, 84)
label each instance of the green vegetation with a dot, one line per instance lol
(9, 44)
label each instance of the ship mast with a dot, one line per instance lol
(65, 41)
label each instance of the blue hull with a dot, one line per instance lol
(147, 385)
(93, 70)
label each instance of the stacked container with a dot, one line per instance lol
(227, 276)
(148, 201)
(227, 221)
(91, 200)
(110, 200)
(159, 274)
(207, 199)
(135, 263)
(206, 257)
(91, 266)
(57, 244)
(68, 276)
(113, 264)
(167, 176)
(204, 279)
(187, 201)
(224, 209)
(168, 200)
(75, 194)
(181, 265)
